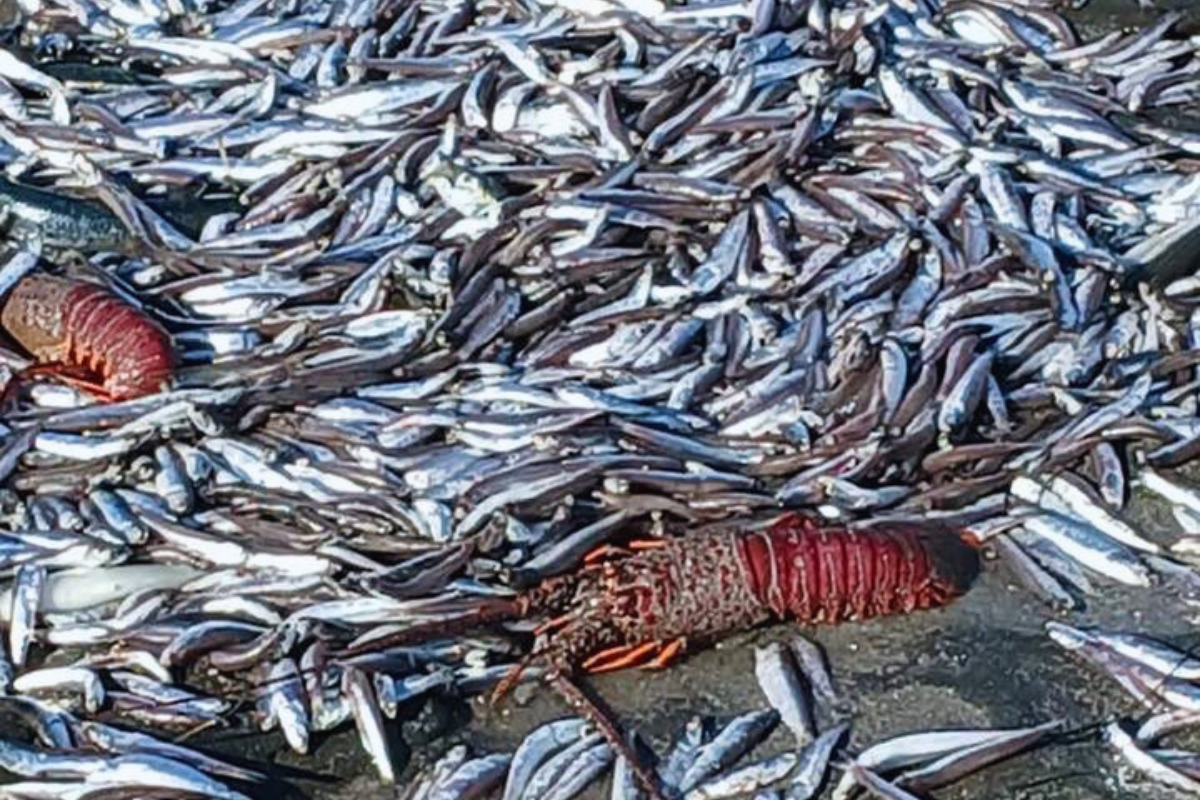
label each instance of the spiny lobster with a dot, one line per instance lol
(646, 608)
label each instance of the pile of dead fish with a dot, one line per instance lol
(463, 290)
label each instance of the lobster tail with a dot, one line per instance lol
(812, 574)
(128, 350)
(954, 562)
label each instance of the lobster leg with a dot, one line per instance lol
(642, 545)
(648, 655)
(590, 710)
(65, 374)
(668, 655)
(94, 389)
(510, 679)
(616, 658)
(60, 372)
(605, 552)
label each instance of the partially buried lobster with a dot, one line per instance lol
(88, 336)
(673, 594)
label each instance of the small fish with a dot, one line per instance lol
(473, 778)
(359, 691)
(533, 751)
(738, 737)
(952, 767)
(554, 770)
(26, 604)
(914, 748)
(781, 683)
(684, 751)
(813, 764)
(1162, 658)
(73, 681)
(1090, 547)
(1141, 760)
(285, 701)
(745, 779)
(1169, 490)
(590, 764)
(1061, 495)
(58, 220)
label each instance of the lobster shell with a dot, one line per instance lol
(828, 575)
(698, 588)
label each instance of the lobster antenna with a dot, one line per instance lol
(488, 611)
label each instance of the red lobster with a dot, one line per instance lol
(77, 327)
(647, 608)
